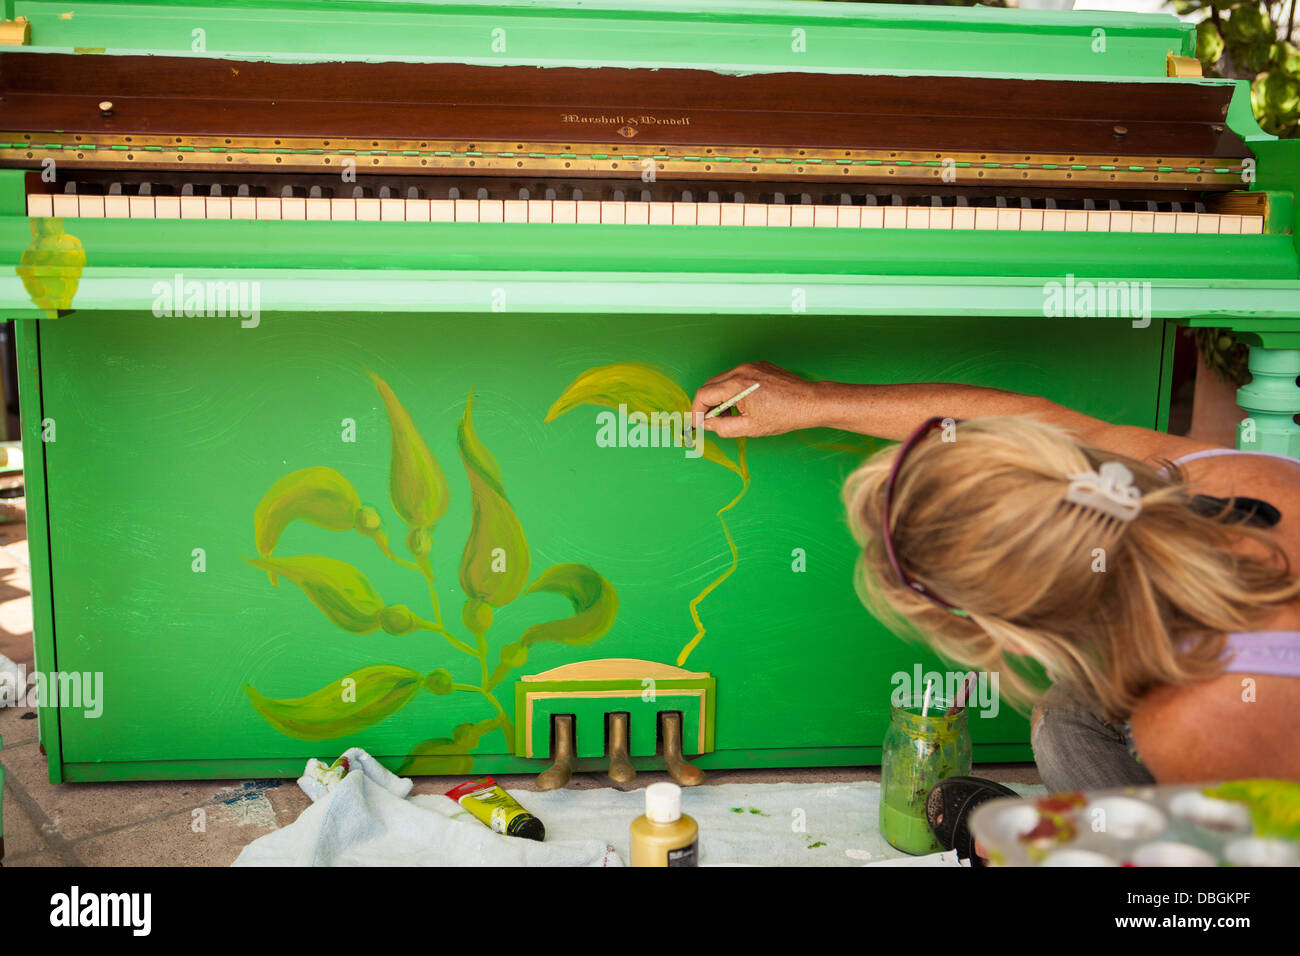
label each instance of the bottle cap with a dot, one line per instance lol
(663, 803)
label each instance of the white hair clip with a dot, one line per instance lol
(1111, 491)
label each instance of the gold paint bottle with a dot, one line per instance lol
(665, 836)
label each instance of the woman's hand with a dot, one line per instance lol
(784, 403)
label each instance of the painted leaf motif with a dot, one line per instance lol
(340, 708)
(51, 266)
(343, 593)
(448, 755)
(595, 605)
(416, 483)
(319, 496)
(638, 387)
(494, 565)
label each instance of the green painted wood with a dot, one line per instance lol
(502, 248)
(32, 401)
(168, 435)
(723, 35)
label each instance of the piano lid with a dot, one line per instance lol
(182, 113)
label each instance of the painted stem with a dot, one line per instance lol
(700, 630)
(451, 638)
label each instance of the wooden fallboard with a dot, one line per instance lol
(180, 112)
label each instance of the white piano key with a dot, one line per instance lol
(1165, 222)
(367, 209)
(539, 210)
(1144, 222)
(755, 214)
(636, 213)
(895, 217)
(1054, 220)
(940, 217)
(1121, 221)
(986, 217)
(802, 216)
(443, 210)
(918, 217)
(417, 210)
(65, 206)
(1230, 225)
(392, 210)
(467, 210)
(661, 214)
(92, 207)
(778, 215)
(825, 216)
(343, 210)
(318, 210)
(516, 210)
(241, 207)
(293, 207)
(40, 205)
(218, 207)
(1208, 222)
(1252, 225)
(588, 212)
(848, 217)
(873, 217)
(565, 211)
(613, 213)
(1076, 220)
(1098, 221)
(491, 210)
(1031, 220)
(733, 214)
(1186, 222)
(685, 213)
(167, 207)
(141, 207)
(1008, 220)
(267, 208)
(709, 214)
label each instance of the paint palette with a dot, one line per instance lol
(1240, 823)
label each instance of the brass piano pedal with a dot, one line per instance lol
(620, 761)
(561, 769)
(670, 730)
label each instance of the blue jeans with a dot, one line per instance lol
(1076, 749)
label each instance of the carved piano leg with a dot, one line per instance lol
(686, 774)
(1271, 399)
(561, 769)
(620, 763)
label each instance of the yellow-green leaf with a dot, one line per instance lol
(343, 707)
(638, 388)
(494, 565)
(342, 592)
(448, 755)
(319, 496)
(415, 479)
(595, 605)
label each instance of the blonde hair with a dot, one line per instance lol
(982, 521)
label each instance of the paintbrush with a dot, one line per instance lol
(715, 412)
(963, 695)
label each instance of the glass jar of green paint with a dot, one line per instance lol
(918, 752)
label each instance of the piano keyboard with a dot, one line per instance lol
(592, 212)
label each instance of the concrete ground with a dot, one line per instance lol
(205, 823)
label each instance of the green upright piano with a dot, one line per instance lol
(351, 336)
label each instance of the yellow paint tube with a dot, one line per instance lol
(496, 808)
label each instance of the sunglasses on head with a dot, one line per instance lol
(908, 444)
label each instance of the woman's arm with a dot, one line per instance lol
(786, 402)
